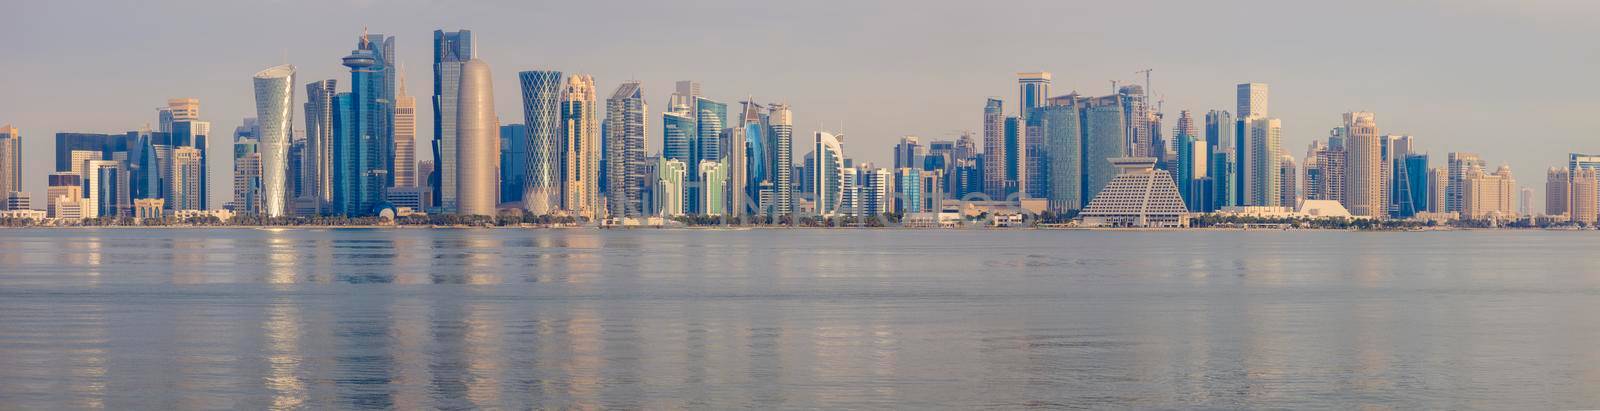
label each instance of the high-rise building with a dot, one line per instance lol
(1364, 170)
(713, 178)
(246, 177)
(63, 187)
(909, 153)
(1580, 160)
(1488, 196)
(10, 159)
(177, 109)
(541, 110)
(626, 114)
(688, 88)
(1060, 128)
(1137, 121)
(1585, 196)
(1557, 191)
(1033, 89)
(274, 89)
(450, 51)
(1252, 100)
(994, 149)
(668, 190)
(780, 132)
(677, 128)
(317, 172)
(476, 133)
(874, 190)
(580, 141)
(828, 170)
(513, 162)
(1104, 139)
(185, 179)
(1262, 153)
(405, 136)
(711, 117)
(1414, 185)
(1016, 159)
(363, 125)
(1459, 165)
(105, 189)
(1220, 142)
(1288, 194)
(1438, 188)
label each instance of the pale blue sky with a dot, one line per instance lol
(1510, 80)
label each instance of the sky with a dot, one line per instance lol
(1510, 80)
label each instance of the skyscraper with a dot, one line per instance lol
(1363, 173)
(994, 149)
(1136, 120)
(1488, 196)
(580, 129)
(668, 190)
(909, 153)
(450, 51)
(780, 129)
(1416, 186)
(513, 162)
(1016, 159)
(1585, 196)
(1103, 140)
(318, 168)
(626, 114)
(274, 89)
(1557, 191)
(1288, 193)
(1252, 100)
(363, 120)
(184, 181)
(178, 109)
(1262, 152)
(1034, 88)
(828, 172)
(541, 110)
(405, 136)
(1458, 165)
(10, 159)
(477, 131)
(1059, 126)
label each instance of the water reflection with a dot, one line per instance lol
(522, 319)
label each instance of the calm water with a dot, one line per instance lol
(411, 318)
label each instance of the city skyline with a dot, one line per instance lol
(933, 101)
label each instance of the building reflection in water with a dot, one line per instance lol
(282, 330)
(283, 257)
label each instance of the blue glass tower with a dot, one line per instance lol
(513, 162)
(363, 139)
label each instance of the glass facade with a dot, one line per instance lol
(274, 89)
(541, 111)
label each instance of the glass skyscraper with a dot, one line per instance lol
(626, 125)
(450, 51)
(1062, 157)
(274, 89)
(317, 172)
(1103, 140)
(362, 119)
(541, 111)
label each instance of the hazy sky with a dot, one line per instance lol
(1511, 80)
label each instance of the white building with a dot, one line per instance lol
(1139, 196)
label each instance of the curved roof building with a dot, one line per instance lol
(477, 129)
